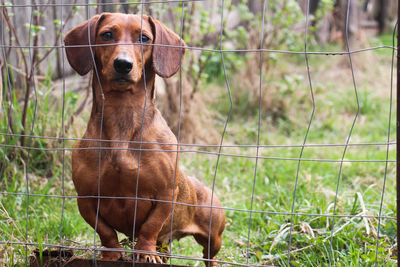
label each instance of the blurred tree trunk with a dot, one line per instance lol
(381, 14)
(334, 21)
(313, 5)
(104, 7)
(323, 32)
(255, 6)
(353, 21)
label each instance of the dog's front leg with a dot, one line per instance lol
(150, 229)
(108, 236)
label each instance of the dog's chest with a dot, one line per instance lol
(125, 174)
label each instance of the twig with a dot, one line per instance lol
(70, 15)
(29, 81)
(364, 211)
(12, 29)
(12, 221)
(80, 109)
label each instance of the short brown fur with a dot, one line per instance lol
(124, 110)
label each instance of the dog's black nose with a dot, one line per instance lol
(122, 65)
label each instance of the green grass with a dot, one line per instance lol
(286, 84)
(360, 188)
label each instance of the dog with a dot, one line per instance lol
(133, 168)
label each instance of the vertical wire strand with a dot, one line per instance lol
(96, 76)
(387, 147)
(27, 160)
(8, 88)
(258, 131)
(349, 135)
(225, 125)
(307, 132)
(31, 78)
(62, 131)
(141, 130)
(397, 114)
(179, 126)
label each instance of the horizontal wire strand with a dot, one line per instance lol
(203, 206)
(201, 152)
(198, 145)
(324, 53)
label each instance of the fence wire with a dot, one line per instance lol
(220, 150)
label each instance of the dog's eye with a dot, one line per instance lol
(107, 36)
(143, 39)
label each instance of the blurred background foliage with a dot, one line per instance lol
(284, 29)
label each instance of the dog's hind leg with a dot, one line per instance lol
(209, 252)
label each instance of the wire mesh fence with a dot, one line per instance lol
(295, 138)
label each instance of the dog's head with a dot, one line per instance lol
(122, 45)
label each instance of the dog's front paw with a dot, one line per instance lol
(111, 255)
(147, 251)
(148, 258)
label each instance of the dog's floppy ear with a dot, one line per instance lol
(80, 57)
(166, 60)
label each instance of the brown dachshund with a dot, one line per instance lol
(138, 158)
